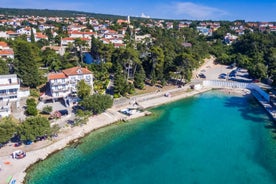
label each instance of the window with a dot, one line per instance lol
(79, 71)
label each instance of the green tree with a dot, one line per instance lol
(82, 117)
(259, 71)
(26, 66)
(185, 64)
(157, 63)
(32, 36)
(97, 103)
(34, 127)
(51, 59)
(95, 47)
(47, 109)
(101, 76)
(4, 68)
(31, 109)
(54, 129)
(7, 129)
(80, 44)
(139, 77)
(49, 34)
(83, 89)
(120, 82)
(42, 42)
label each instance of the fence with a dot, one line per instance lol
(240, 85)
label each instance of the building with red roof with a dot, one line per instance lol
(65, 82)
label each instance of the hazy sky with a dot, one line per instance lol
(249, 10)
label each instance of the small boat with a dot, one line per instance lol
(129, 111)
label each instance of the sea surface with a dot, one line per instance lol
(211, 138)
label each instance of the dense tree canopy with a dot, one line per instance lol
(97, 103)
(26, 63)
(7, 129)
(34, 127)
(4, 68)
(83, 89)
(255, 51)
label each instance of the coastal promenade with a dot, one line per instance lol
(15, 169)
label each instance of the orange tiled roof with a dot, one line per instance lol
(119, 45)
(52, 76)
(3, 44)
(6, 52)
(11, 32)
(79, 32)
(40, 35)
(106, 40)
(56, 48)
(85, 39)
(69, 38)
(75, 71)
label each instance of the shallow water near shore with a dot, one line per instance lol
(209, 138)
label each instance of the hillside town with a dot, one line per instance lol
(58, 72)
(60, 34)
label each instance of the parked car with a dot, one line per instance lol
(17, 144)
(222, 76)
(256, 80)
(58, 114)
(63, 112)
(55, 115)
(28, 142)
(201, 75)
(77, 107)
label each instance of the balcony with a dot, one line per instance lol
(60, 89)
(59, 83)
(73, 81)
(8, 94)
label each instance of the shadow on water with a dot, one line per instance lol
(249, 108)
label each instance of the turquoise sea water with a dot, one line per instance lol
(210, 138)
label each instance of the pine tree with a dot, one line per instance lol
(139, 77)
(26, 66)
(4, 68)
(32, 36)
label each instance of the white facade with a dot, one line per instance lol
(59, 87)
(64, 83)
(3, 34)
(74, 79)
(9, 87)
(66, 41)
(26, 31)
(10, 92)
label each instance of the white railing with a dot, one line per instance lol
(232, 84)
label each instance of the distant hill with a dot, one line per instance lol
(58, 13)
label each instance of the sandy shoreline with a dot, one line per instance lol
(16, 168)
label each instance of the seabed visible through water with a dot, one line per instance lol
(209, 138)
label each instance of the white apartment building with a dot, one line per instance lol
(64, 83)
(6, 51)
(10, 92)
